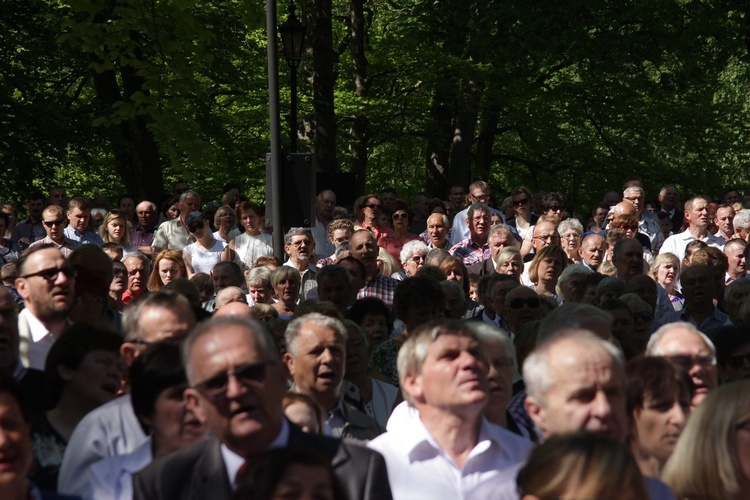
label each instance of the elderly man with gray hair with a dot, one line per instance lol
(501, 236)
(299, 246)
(443, 447)
(648, 223)
(742, 224)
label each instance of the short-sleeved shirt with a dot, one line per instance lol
(173, 235)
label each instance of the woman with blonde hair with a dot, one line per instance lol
(666, 272)
(168, 266)
(582, 465)
(509, 261)
(225, 223)
(712, 457)
(286, 282)
(545, 269)
(115, 230)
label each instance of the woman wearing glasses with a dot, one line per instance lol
(523, 220)
(205, 252)
(571, 235)
(115, 230)
(400, 220)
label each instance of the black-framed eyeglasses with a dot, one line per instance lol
(50, 223)
(52, 273)
(400, 216)
(532, 302)
(196, 227)
(738, 361)
(215, 388)
(549, 237)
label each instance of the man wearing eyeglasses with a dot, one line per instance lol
(53, 218)
(475, 248)
(237, 383)
(46, 284)
(648, 222)
(683, 344)
(300, 247)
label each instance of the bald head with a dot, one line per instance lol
(234, 309)
(625, 207)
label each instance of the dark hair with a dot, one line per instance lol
(416, 291)
(245, 206)
(659, 378)
(260, 480)
(727, 340)
(158, 368)
(29, 252)
(168, 203)
(5, 218)
(69, 350)
(551, 199)
(369, 305)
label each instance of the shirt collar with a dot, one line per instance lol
(36, 328)
(233, 462)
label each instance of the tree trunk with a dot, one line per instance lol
(359, 129)
(324, 80)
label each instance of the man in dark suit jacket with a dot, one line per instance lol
(500, 237)
(237, 384)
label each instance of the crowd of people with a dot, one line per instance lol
(467, 348)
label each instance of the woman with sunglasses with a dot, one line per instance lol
(115, 230)
(368, 209)
(205, 252)
(400, 219)
(523, 220)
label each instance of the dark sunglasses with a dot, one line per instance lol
(738, 361)
(521, 202)
(52, 273)
(556, 208)
(196, 227)
(50, 223)
(373, 206)
(532, 302)
(399, 216)
(215, 388)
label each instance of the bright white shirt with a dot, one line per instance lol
(112, 429)
(112, 477)
(34, 347)
(419, 469)
(677, 242)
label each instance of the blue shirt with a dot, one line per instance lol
(84, 237)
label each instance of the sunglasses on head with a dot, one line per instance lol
(50, 223)
(532, 302)
(197, 226)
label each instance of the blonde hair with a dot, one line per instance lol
(581, 465)
(552, 251)
(125, 239)
(389, 264)
(704, 462)
(508, 254)
(662, 259)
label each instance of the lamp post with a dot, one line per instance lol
(293, 40)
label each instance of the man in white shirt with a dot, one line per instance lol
(46, 283)
(479, 192)
(174, 234)
(696, 213)
(446, 448)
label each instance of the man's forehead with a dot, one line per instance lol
(361, 238)
(679, 341)
(448, 341)
(544, 228)
(44, 257)
(435, 220)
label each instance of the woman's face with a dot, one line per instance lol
(414, 263)
(288, 290)
(570, 240)
(174, 425)
(169, 271)
(225, 221)
(173, 212)
(454, 274)
(251, 222)
(127, 205)
(511, 267)
(98, 378)
(400, 220)
(522, 205)
(668, 273)
(303, 481)
(376, 327)
(116, 228)
(659, 423)
(549, 269)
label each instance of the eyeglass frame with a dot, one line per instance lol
(220, 394)
(69, 271)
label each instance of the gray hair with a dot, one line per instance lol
(412, 247)
(138, 255)
(477, 207)
(131, 324)
(536, 367)
(187, 193)
(571, 315)
(436, 256)
(222, 299)
(571, 223)
(499, 228)
(297, 231)
(640, 190)
(261, 337)
(259, 276)
(446, 221)
(653, 348)
(293, 330)
(742, 219)
(488, 333)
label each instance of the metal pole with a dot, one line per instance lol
(293, 113)
(273, 110)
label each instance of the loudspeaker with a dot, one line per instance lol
(297, 190)
(341, 183)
